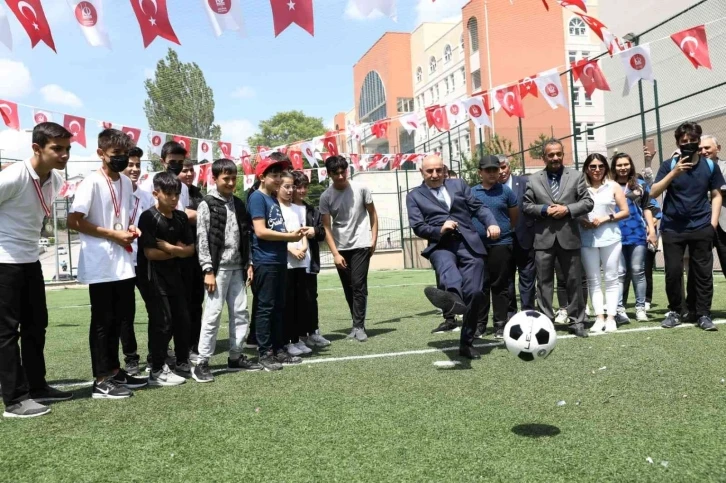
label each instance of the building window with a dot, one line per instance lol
(586, 128)
(436, 90)
(372, 100)
(463, 76)
(431, 94)
(432, 65)
(585, 54)
(588, 100)
(472, 27)
(461, 42)
(576, 95)
(404, 104)
(476, 80)
(577, 27)
(451, 81)
(446, 83)
(447, 53)
(572, 56)
(419, 74)
(467, 145)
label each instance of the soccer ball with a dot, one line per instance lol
(530, 336)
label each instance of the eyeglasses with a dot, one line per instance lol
(596, 167)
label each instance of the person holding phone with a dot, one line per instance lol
(689, 221)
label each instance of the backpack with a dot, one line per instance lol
(674, 160)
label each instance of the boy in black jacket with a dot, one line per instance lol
(315, 235)
(223, 237)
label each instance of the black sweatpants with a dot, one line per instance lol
(194, 283)
(127, 334)
(295, 305)
(498, 267)
(112, 305)
(23, 318)
(354, 279)
(700, 249)
(169, 317)
(268, 306)
(312, 322)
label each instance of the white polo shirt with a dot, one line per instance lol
(140, 202)
(102, 260)
(21, 212)
(146, 183)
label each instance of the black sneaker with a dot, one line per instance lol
(127, 381)
(449, 302)
(672, 320)
(690, 317)
(706, 323)
(499, 333)
(269, 362)
(481, 329)
(284, 358)
(49, 394)
(201, 372)
(132, 368)
(445, 326)
(110, 389)
(243, 364)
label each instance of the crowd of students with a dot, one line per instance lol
(187, 253)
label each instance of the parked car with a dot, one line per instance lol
(62, 250)
(62, 277)
(43, 242)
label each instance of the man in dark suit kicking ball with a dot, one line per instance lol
(441, 211)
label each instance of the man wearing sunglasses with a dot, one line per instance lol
(441, 211)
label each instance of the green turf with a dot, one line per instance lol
(395, 418)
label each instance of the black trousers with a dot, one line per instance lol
(112, 305)
(169, 317)
(354, 279)
(295, 305)
(23, 318)
(268, 306)
(311, 304)
(498, 267)
(194, 283)
(700, 249)
(127, 334)
(523, 262)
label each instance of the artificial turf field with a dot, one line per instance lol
(629, 396)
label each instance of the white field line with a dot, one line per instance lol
(321, 360)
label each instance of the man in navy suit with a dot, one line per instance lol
(441, 211)
(523, 259)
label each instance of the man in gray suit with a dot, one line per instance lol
(710, 148)
(555, 197)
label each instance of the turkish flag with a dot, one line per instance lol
(694, 44)
(133, 133)
(331, 142)
(185, 142)
(246, 165)
(31, 16)
(573, 3)
(380, 128)
(589, 74)
(205, 171)
(286, 12)
(527, 86)
(594, 24)
(508, 98)
(436, 116)
(325, 156)
(296, 159)
(153, 19)
(263, 151)
(226, 149)
(355, 160)
(374, 160)
(77, 127)
(9, 113)
(397, 160)
(106, 125)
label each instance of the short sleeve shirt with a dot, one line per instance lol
(165, 275)
(499, 199)
(267, 252)
(349, 215)
(686, 207)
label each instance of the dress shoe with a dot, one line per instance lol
(578, 329)
(469, 352)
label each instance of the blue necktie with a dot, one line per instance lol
(440, 196)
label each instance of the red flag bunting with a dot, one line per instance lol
(380, 128)
(694, 43)
(296, 159)
(594, 24)
(589, 74)
(330, 141)
(31, 16)
(9, 113)
(185, 142)
(287, 12)
(153, 18)
(573, 3)
(510, 100)
(527, 87)
(226, 149)
(77, 126)
(133, 133)
(436, 116)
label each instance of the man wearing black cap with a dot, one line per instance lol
(502, 202)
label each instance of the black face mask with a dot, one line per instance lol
(688, 150)
(175, 168)
(118, 163)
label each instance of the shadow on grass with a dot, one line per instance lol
(453, 352)
(535, 430)
(369, 332)
(66, 325)
(411, 316)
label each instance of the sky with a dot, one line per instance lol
(252, 76)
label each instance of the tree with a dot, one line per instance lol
(495, 145)
(285, 128)
(535, 147)
(179, 101)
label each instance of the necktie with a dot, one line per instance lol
(440, 197)
(555, 187)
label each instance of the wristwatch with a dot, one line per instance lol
(209, 270)
(612, 217)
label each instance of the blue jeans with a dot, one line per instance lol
(632, 263)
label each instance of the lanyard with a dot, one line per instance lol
(39, 192)
(116, 201)
(132, 218)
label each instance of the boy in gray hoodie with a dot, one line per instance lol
(223, 234)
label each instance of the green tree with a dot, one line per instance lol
(495, 145)
(285, 128)
(535, 147)
(179, 101)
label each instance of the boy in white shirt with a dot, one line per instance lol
(101, 214)
(27, 191)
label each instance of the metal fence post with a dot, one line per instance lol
(642, 111)
(400, 219)
(574, 121)
(521, 142)
(481, 142)
(451, 151)
(657, 118)
(410, 238)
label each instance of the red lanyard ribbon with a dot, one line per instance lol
(132, 218)
(116, 201)
(39, 192)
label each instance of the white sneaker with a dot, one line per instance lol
(598, 326)
(165, 377)
(610, 325)
(293, 350)
(561, 317)
(641, 315)
(317, 340)
(303, 348)
(647, 306)
(621, 317)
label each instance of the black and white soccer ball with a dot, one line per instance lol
(530, 335)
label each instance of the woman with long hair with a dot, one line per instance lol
(601, 240)
(637, 231)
